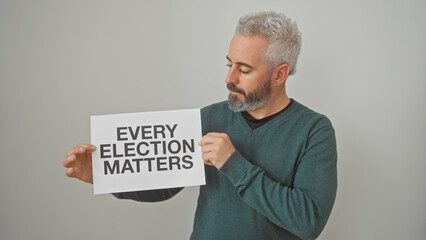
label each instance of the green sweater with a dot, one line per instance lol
(279, 184)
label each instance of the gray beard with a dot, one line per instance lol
(253, 100)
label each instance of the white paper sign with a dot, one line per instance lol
(149, 150)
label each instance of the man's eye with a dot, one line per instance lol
(244, 72)
(228, 65)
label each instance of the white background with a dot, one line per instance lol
(362, 64)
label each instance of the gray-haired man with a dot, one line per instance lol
(270, 161)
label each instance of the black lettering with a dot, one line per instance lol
(172, 130)
(138, 149)
(187, 145)
(115, 167)
(155, 143)
(127, 149)
(164, 147)
(134, 134)
(159, 163)
(119, 133)
(138, 163)
(175, 162)
(103, 150)
(190, 164)
(144, 132)
(127, 166)
(169, 146)
(149, 163)
(159, 129)
(114, 151)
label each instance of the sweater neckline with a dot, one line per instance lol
(288, 111)
(256, 123)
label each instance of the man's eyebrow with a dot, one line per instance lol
(240, 63)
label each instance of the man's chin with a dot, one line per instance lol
(235, 104)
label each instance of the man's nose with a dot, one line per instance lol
(232, 77)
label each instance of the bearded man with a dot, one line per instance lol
(270, 161)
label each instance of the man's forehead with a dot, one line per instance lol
(250, 49)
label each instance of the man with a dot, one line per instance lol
(270, 161)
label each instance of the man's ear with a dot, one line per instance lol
(280, 74)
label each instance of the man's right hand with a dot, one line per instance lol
(79, 162)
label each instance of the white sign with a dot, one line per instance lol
(149, 150)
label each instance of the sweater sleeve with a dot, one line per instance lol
(303, 208)
(149, 195)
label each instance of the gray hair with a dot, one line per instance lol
(282, 33)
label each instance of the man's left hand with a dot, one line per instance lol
(216, 148)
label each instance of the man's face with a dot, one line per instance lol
(248, 80)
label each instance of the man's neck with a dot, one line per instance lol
(272, 106)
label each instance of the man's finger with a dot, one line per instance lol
(207, 148)
(72, 151)
(75, 150)
(207, 140)
(70, 172)
(208, 163)
(81, 149)
(87, 146)
(209, 158)
(68, 160)
(205, 157)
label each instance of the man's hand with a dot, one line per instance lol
(79, 162)
(216, 149)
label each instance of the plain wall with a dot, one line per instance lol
(362, 64)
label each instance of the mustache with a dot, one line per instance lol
(233, 88)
